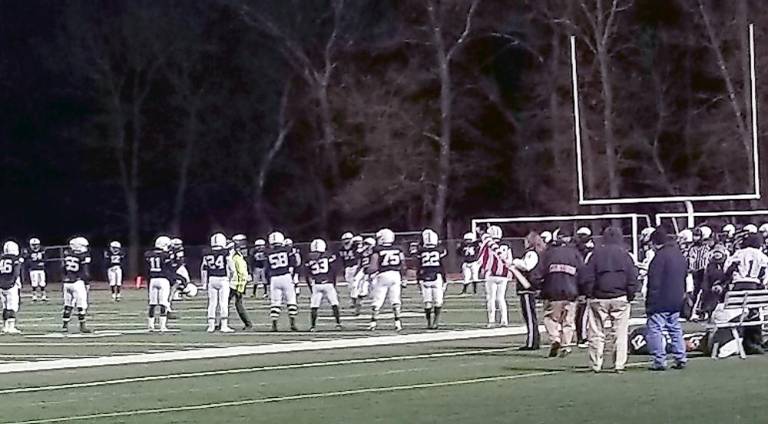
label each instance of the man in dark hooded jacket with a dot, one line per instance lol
(609, 281)
(666, 291)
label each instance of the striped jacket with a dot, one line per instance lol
(698, 257)
(495, 260)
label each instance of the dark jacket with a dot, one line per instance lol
(610, 271)
(666, 280)
(560, 266)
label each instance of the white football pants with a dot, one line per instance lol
(218, 297)
(10, 299)
(75, 295)
(159, 291)
(323, 291)
(387, 285)
(115, 276)
(37, 278)
(432, 292)
(495, 294)
(282, 288)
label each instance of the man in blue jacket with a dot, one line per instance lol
(666, 291)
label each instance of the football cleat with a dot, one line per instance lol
(398, 325)
(372, 326)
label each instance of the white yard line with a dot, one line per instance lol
(224, 352)
(318, 395)
(247, 370)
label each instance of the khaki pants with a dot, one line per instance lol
(608, 321)
(559, 320)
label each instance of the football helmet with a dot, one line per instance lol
(751, 228)
(288, 242)
(685, 236)
(764, 229)
(645, 234)
(584, 232)
(546, 237)
(259, 243)
(385, 237)
(347, 239)
(369, 242)
(176, 243)
(11, 248)
(357, 239)
(706, 232)
(115, 246)
(276, 239)
(34, 243)
(318, 246)
(469, 237)
(729, 230)
(190, 290)
(495, 232)
(163, 243)
(78, 244)
(219, 240)
(429, 238)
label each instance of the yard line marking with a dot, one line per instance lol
(318, 395)
(248, 370)
(225, 352)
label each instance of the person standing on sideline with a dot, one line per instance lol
(609, 281)
(529, 266)
(560, 265)
(238, 278)
(666, 289)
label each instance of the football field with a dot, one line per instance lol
(462, 373)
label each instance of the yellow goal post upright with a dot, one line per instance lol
(540, 223)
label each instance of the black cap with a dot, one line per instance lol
(659, 236)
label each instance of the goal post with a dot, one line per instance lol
(699, 217)
(635, 221)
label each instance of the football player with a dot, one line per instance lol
(279, 262)
(295, 259)
(160, 270)
(387, 264)
(258, 262)
(217, 265)
(34, 260)
(239, 277)
(431, 275)
(494, 258)
(114, 258)
(727, 236)
(75, 274)
(321, 276)
(351, 261)
(470, 267)
(180, 276)
(10, 274)
(364, 277)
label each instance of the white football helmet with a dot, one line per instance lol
(706, 232)
(685, 236)
(288, 242)
(11, 248)
(177, 243)
(190, 290)
(76, 244)
(276, 239)
(495, 232)
(219, 240)
(751, 228)
(469, 237)
(163, 243)
(385, 237)
(729, 230)
(347, 239)
(764, 230)
(318, 246)
(34, 242)
(369, 242)
(584, 232)
(429, 238)
(115, 245)
(646, 233)
(82, 241)
(259, 243)
(546, 236)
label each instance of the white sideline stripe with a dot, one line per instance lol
(248, 370)
(318, 395)
(224, 352)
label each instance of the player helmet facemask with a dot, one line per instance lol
(34, 243)
(115, 246)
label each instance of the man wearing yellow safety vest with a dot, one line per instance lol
(239, 278)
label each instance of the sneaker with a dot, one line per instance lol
(12, 330)
(680, 365)
(372, 326)
(489, 325)
(211, 329)
(163, 329)
(565, 352)
(151, 328)
(312, 329)
(34, 298)
(44, 298)
(398, 325)
(554, 350)
(339, 327)
(84, 329)
(248, 327)
(619, 370)
(227, 329)
(582, 345)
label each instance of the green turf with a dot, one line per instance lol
(513, 387)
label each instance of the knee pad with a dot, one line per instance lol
(274, 312)
(293, 309)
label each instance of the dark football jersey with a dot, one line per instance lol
(390, 258)
(430, 263)
(296, 256)
(365, 260)
(10, 269)
(177, 258)
(349, 255)
(75, 266)
(215, 262)
(279, 260)
(321, 268)
(469, 251)
(258, 257)
(34, 259)
(112, 258)
(159, 264)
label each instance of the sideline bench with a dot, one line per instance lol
(742, 301)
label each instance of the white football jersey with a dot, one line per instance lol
(752, 265)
